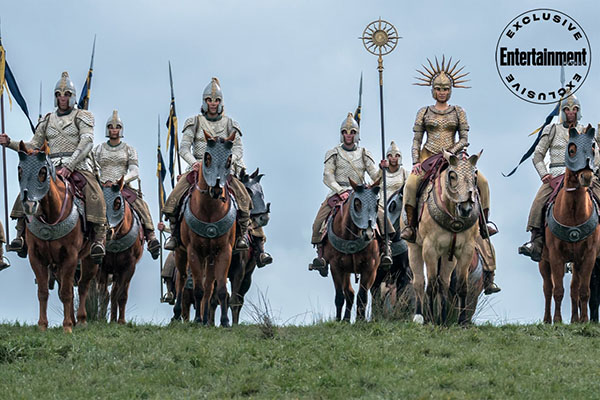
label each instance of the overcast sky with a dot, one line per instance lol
(289, 73)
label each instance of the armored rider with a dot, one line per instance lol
(442, 122)
(395, 174)
(345, 161)
(70, 135)
(213, 120)
(554, 140)
(117, 159)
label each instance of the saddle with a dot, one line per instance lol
(78, 182)
(555, 184)
(432, 167)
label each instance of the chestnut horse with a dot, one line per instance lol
(54, 234)
(350, 247)
(208, 231)
(572, 231)
(446, 238)
(124, 249)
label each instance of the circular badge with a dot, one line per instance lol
(574, 235)
(457, 226)
(542, 54)
(211, 231)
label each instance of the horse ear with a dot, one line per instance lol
(453, 160)
(45, 149)
(254, 174)
(590, 131)
(209, 139)
(352, 183)
(121, 182)
(573, 133)
(228, 144)
(475, 157)
(259, 177)
(376, 189)
(377, 182)
(231, 137)
(22, 147)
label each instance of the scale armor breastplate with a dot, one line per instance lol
(441, 127)
(113, 161)
(394, 182)
(343, 165)
(63, 138)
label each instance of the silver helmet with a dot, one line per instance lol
(394, 150)
(350, 125)
(114, 120)
(570, 102)
(212, 91)
(63, 86)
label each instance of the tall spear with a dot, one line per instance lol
(40, 110)
(380, 38)
(172, 132)
(358, 112)
(84, 100)
(2, 84)
(160, 176)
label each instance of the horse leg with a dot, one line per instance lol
(557, 267)
(367, 278)
(181, 266)
(41, 276)
(548, 288)
(433, 284)
(241, 293)
(348, 296)
(575, 292)
(114, 296)
(209, 286)
(88, 272)
(124, 290)
(102, 278)
(415, 257)
(585, 276)
(463, 262)
(338, 283)
(67, 274)
(594, 292)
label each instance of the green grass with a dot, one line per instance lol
(328, 360)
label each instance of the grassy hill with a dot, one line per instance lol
(328, 360)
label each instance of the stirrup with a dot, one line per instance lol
(171, 243)
(4, 263)
(153, 248)
(385, 262)
(409, 234)
(168, 297)
(241, 244)
(16, 244)
(529, 250)
(491, 289)
(97, 252)
(264, 259)
(320, 265)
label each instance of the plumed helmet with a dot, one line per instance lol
(63, 86)
(115, 121)
(212, 91)
(570, 103)
(394, 150)
(350, 125)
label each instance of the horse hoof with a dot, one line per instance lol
(225, 324)
(418, 319)
(68, 329)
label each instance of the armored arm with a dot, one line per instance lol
(237, 151)
(372, 169)
(463, 131)
(133, 171)
(419, 130)
(187, 140)
(540, 152)
(38, 137)
(329, 172)
(85, 122)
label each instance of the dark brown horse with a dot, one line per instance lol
(124, 248)
(54, 234)
(351, 248)
(208, 231)
(572, 232)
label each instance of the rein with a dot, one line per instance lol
(63, 207)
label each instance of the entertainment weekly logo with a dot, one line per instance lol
(533, 47)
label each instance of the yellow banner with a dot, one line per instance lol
(2, 66)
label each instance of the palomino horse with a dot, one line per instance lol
(124, 249)
(54, 234)
(446, 237)
(351, 248)
(572, 231)
(208, 231)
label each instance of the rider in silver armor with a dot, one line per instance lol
(70, 135)
(117, 159)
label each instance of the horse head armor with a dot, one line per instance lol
(216, 164)
(115, 203)
(260, 210)
(363, 205)
(35, 172)
(579, 154)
